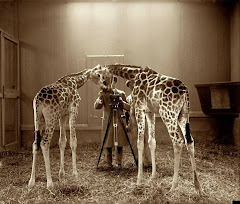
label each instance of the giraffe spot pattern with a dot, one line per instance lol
(170, 95)
(138, 82)
(163, 78)
(167, 91)
(141, 93)
(144, 82)
(163, 87)
(132, 76)
(50, 91)
(174, 90)
(143, 76)
(169, 84)
(121, 74)
(165, 99)
(148, 91)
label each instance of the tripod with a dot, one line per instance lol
(114, 114)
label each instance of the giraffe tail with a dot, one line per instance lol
(188, 135)
(38, 138)
(37, 113)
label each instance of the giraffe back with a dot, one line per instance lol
(56, 99)
(159, 93)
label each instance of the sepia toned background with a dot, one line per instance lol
(192, 40)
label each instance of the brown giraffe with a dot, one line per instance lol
(57, 102)
(154, 93)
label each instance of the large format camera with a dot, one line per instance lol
(114, 100)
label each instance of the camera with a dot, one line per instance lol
(114, 100)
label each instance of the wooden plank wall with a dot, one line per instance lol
(190, 41)
(9, 17)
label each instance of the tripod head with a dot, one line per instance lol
(114, 101)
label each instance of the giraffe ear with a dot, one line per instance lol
(128, 83)
(97, 67)
(115, 79)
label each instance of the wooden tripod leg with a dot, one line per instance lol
(105, 136)
(125, 131)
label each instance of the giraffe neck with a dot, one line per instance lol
(80, 78)
(125, 71)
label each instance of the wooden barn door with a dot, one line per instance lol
(94, 116)
(10, 92)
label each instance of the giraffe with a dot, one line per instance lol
(54, 103)
(154, 93)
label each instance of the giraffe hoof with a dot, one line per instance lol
(197, 186)
(61, 174)
(50, 186)
(152, 179)
(75, 175)
(31, 183)
(154, 176)
(198, 190)
(174, 185)
(139, 182)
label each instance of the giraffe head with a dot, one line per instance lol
(101, 76)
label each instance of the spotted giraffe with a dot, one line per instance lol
(54, 103)
(152, 94)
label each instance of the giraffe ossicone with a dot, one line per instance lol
(154, 93)
(57, 102)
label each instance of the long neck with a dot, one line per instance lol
(82, 77)
(125, 71)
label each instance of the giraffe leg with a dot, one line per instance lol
(38, 132)
(151, 140)
(192, 158)
(45, 146)
(62, 144)
(190, 147)
(73, 142)
(147, 162)
(31, 182)
(140, 117)
(177, 147)
(172, 127)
